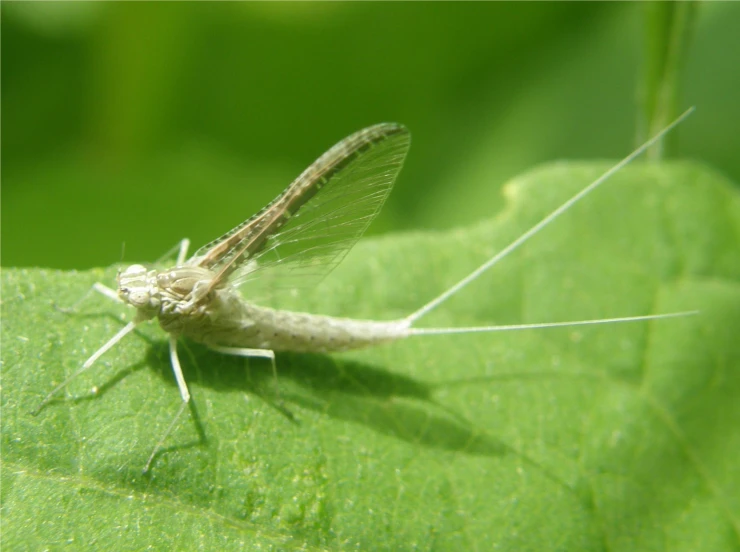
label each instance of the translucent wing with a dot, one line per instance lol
(306, 231)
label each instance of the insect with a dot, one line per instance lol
(300, 236)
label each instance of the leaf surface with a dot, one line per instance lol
(618, 437)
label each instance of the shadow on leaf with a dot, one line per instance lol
(389, 403)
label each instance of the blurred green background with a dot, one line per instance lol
(144, 123)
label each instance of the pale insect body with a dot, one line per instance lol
(298, 237)
(199, 300)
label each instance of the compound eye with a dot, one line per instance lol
(139, 298)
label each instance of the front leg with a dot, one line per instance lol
(102, 289)
(128, 328)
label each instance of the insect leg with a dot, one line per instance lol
(89, 362)
(97, 286)
(105, 290)
(182, 250)
(249, 353)
(184, 393)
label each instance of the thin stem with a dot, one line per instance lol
(668, 31)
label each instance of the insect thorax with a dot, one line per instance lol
(167, 292)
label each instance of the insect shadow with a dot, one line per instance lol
(347, 390)
(391, 404)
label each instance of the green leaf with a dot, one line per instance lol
(618, 437)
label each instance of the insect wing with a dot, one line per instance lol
(320, 234)
(306, 231)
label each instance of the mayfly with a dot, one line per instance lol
(300, 236)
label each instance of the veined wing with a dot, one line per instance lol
(302, 234)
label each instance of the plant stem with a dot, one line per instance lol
(668, 30)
